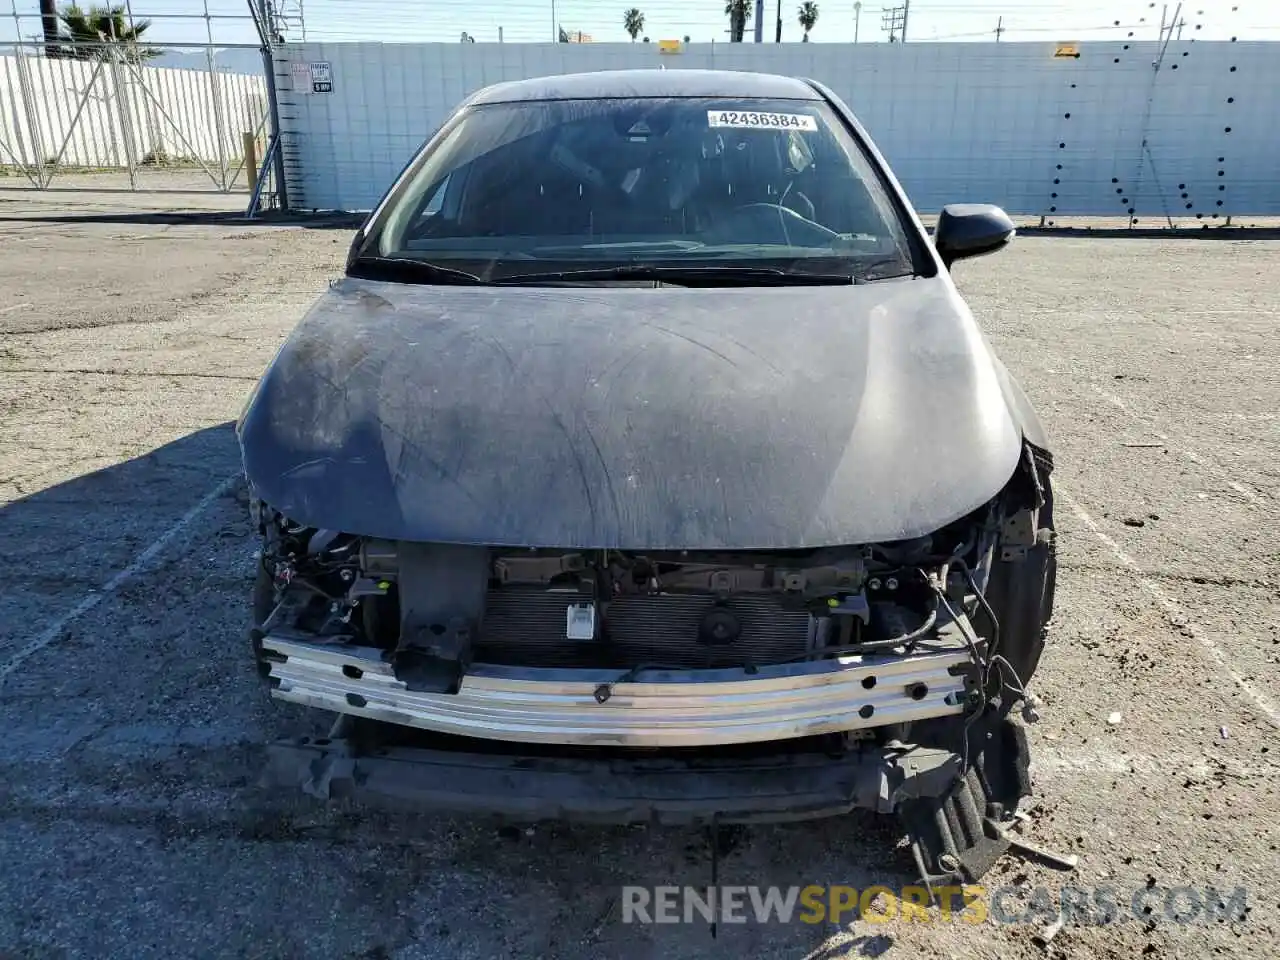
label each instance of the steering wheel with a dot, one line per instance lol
(748, 223)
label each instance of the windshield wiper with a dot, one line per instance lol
(686, 276)
(405, 270)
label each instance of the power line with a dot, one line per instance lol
(178, 22)
(893, 20)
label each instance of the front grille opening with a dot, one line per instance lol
(373, 736)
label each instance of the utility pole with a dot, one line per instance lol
(857, 18)
(1168, 25)
(999, 28)
(759, 21)
(894, 21)
(777, 36)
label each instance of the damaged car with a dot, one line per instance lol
(647, 466)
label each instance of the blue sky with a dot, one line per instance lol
(181, 21)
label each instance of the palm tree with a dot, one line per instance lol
(95, 34)
(633, 22)
(808, 15)
(739, 12)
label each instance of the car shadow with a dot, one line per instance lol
(137, 576)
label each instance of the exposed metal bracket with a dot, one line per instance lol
(1018, 534)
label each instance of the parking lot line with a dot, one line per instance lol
(1173, 612)
(139, 565)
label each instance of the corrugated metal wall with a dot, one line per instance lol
(1103, 133)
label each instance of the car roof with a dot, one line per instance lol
(648, 83)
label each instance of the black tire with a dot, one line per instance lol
(1021, 593)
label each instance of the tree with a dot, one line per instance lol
(564, 36)
(633, 22)
(808, 16)
(739, 12)
(101, 31)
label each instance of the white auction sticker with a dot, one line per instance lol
(764, 121)
(580, 621)
(301, 77)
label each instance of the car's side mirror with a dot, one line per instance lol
(971, 230)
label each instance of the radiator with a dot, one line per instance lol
(525, 626)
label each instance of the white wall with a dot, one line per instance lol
(1007, 123)
(109, 115)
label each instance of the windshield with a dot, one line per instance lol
(734, 188)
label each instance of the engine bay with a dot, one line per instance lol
(436, 609)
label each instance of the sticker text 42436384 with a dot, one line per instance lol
(751, 119)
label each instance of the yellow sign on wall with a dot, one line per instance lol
(670, 46)
(1066, 50)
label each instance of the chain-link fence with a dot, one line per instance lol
(99, 116)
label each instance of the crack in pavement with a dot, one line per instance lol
(1214, 469)
(1257, 583)
(1187, 453)
(132, 373)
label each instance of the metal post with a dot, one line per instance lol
(1164, 44)
(26, 90)
(261, 10)
(282, 190)
(759, 21)
(215, 88)
(857, 18)
(256, 195)
(250, 145)
(777, 37)
(121, 87)
(906, 8)
(555, 32)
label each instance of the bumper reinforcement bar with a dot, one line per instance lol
(660, 709)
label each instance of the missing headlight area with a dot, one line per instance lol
(903, 659)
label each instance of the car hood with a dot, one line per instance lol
(632, 417)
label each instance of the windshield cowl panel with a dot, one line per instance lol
(749, 187)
